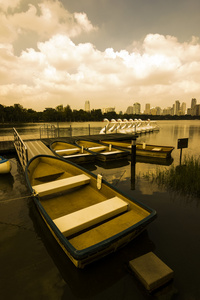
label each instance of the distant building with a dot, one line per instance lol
(183, 108)
(147, 110)
(193, 104)
(168, 111)
(196, 110)
(136, 108)
(87, 105)
(177, 107)
(129, 110)
(108, 109)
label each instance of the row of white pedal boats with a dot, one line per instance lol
(129, 126)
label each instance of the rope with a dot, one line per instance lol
(14, 199)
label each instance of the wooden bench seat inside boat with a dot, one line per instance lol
(156, 149)
(68, 151)
(84, 218)
(60, 185)
(77, 155)
(98, 148)
(112, 152)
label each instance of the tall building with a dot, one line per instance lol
(129, 110)
(183, 108)
(193, 105)
(87, 105)
(177, 107)
(193, 102)
(147, 110)
(136, 108)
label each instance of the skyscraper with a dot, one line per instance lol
(147, 110)
(193, 106)
(136, 108)
(177, 107)
(87, 105)
(193, 102)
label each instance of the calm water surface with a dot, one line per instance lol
(34, 267)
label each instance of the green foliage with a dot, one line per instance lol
(184, 178)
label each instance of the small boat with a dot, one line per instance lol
(103, 152)
(142, 149)
(5, 165)
(74, 153)
(87, 216)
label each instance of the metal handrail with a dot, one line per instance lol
(21, 149)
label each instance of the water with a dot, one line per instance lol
(34, 267)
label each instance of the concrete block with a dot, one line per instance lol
(151, 271)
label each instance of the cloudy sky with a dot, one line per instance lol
(111, 52)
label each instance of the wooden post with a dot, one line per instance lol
(133, 163)
(180, 156)
(89, 128)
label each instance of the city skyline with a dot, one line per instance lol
(111, 52)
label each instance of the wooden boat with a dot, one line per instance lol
(74, 153)
(103, 152)
(5, 165)
(143, 149)
(87, 216)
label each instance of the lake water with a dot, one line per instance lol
(34, 267)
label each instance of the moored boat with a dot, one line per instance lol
(103, 152)
(142, 149)
(72, 152)
(5, 165)
(87, 216)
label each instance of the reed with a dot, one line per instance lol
(184, 178)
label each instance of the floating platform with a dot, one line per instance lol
(151, 271)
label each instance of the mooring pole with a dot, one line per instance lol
(133, 163)
(180, 156)
(133, 152)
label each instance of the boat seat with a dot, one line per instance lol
(112, 152)
(76, 155)
(69, 150)
(82, 219)
(60, 185)
(98, 148)
(156, 149)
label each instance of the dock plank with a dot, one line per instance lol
(37, 147)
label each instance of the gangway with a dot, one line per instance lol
(28, 149)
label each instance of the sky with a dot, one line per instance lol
(111, 52)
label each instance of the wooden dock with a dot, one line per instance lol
(28, 148)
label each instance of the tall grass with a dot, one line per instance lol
(184, 178)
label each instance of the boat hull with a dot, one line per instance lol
(76, 157)
(5, 165)
(88, 244)
(145, 150)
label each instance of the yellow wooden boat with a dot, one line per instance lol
(143, 149)
(103, 152)
(87, 216)
(74, 153)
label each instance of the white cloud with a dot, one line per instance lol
(58, 70)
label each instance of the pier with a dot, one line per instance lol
(27, 148)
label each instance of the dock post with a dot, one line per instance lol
(89, 128)
(133, 163)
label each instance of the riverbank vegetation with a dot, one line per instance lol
(184, 178)
(17, 113)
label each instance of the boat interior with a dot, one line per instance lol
(84, 213)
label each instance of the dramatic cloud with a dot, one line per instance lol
(49, 69)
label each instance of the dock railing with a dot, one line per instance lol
(20, 148)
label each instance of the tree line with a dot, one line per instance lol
(18, 114)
